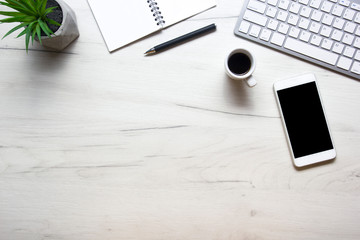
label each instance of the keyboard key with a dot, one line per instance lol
(328, 19)
(278, 39)
(272, 24)
(265, 35)
(336, 35)
(337, 10)
(357, 42)
(357, 18)
(294, 7)
(357, 55)
(284, 4)
(255, 18)
(357, 31)
(305, 11)
(327, 43)
(271, 12)
(305, 2)
(293, 19)
(355, 6)
(348, 39)
(244, 27)
(316, 15)
(356, 68)
(256, 6)
(294, 32)
(305, 36)
(338, 48)
(349, 27)
(349, 52)
(345, 3)
(349, 14)
(282, 15)
(304, 23)
(326, 6)
(315, 3)
(315, 40)
(283, 28)
(339, 23)
(311, 51)
(255, 30)
(325, 31)
(344, 63)
(315, 27)
(273, 2)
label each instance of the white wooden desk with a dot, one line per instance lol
(99, 146)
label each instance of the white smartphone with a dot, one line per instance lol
(304, 120)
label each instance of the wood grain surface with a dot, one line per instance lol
(115, 146)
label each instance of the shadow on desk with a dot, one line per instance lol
(50, 62)
(237, 91)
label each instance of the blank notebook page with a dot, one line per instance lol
(122, 21)
(175, 11)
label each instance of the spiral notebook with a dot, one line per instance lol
(122, 22)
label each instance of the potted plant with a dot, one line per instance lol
(51, 22)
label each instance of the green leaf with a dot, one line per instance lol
(27, 39)
(18, 19)
(53, 22)
(30, 5)
(33, 34)
(38, 32)
(49, 10)
(12, 14)
(11, 3)
(45, 28)
(19, 9)
(28, 35)
(33, 30)
(16, 5)
(43, 8)
(38, 5)
(14, 29)
(22, 33)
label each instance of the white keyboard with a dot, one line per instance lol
(325, 32)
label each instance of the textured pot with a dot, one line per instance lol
(67, 32)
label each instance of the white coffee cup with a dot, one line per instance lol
(239, 65)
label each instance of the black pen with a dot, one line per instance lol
(180, 39)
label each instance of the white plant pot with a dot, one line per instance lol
(67, 32)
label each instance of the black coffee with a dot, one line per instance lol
(239, 63)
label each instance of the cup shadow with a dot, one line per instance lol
(236, 91)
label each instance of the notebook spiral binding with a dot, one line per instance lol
(156, 12)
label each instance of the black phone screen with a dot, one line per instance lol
(305, 119)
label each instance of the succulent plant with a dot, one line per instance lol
(31, 15)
